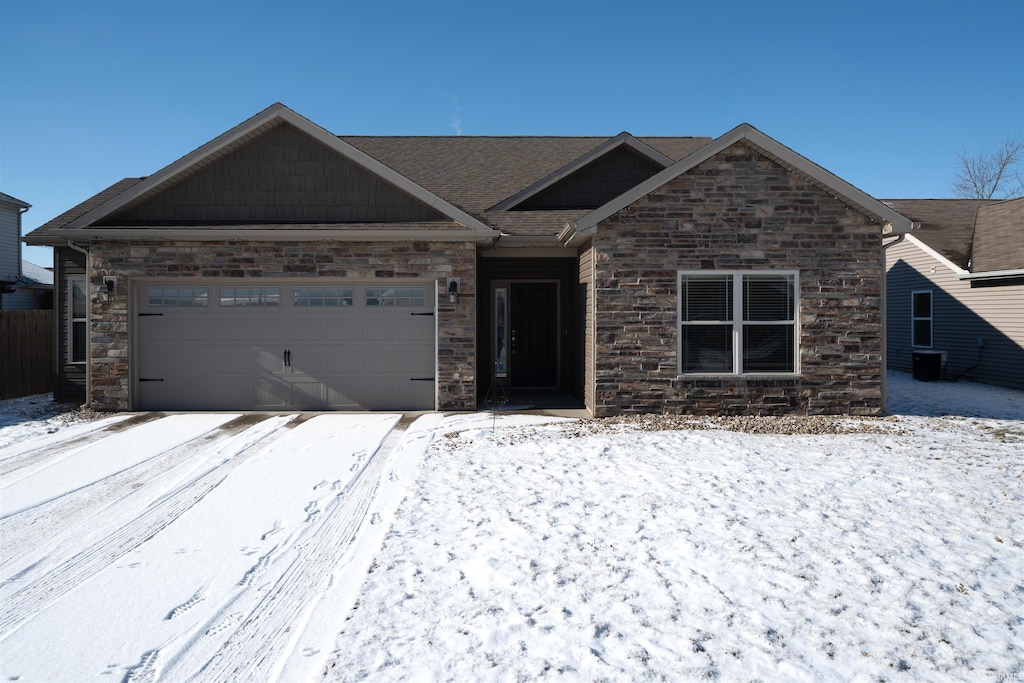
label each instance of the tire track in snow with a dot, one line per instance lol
(52, 520)
(24, 603)
(28, 456)
(257, 648)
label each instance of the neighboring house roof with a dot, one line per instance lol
(35, 276)
(946, 225)
(13, 201)
(999, 237)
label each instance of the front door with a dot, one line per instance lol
(533, 334)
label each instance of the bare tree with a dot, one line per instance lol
(996, 175)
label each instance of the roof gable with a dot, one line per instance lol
(232, 141)
(772, 149)
(592, 179)
(282, 176)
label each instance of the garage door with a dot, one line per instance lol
(221, 346)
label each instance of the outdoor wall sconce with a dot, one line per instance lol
(453, 290)
(107, 290)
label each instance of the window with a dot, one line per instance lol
(323, 296)
(403, 297)
(177, 297)
(78, 315)
(921, 318)
(250, 296)
(737, 323)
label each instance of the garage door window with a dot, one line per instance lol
(177, 297)
(323, 297)
(396, 297)
(78, 305)
(250, 296)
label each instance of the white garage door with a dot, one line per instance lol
(225, 346)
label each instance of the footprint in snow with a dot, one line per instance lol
(199, 596)
(225, 623)
(276, 530)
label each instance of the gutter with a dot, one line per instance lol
(88, 322)
(992, 274)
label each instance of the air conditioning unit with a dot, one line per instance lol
(929, 366)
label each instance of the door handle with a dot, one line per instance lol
(287, 358)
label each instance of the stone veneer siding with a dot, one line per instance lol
(109, 340)
(738, 211)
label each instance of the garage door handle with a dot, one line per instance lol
(431, 313)
(421, 379)
(287, 358)
(147, 315)
(149, 379)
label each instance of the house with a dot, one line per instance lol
(280, 266)
(956, 290)
(32, 292)
(10, 244)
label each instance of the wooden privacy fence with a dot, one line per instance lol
(26, 353)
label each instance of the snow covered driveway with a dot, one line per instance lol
(210, 545)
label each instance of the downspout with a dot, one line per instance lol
(88, 320)
(885, 320)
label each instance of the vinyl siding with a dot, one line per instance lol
(961, 313)
(10, 253)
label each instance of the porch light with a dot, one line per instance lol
(453, 290)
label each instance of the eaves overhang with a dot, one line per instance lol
(245, 132)
(993, 275)
(275, 234)
(893, 223)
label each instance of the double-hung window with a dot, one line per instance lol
(738, 322)
(78, 315)
(921, 318)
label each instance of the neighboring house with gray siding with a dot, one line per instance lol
(956, 286)
(280, 266)
(32, 292)
(10, 243)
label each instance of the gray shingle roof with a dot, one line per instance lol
(999, 237)
(947, 225)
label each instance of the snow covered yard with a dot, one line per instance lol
(243, 547)
(893, 553)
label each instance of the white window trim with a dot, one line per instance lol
(930, 318)
(737, 323)
(72, 279)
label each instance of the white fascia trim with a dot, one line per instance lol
(993, 274)
(937, 256)
(279, 113)
(270, 235)
(622, 138)
(895, 223)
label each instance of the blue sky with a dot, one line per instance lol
(882, 94)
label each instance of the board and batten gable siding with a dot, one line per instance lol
(10, 251)
(283, 176)
(737, 211)
(961, 313)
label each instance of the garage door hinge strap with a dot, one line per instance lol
(431, 313)
(421, 379)
(150, 379)
(146, 315)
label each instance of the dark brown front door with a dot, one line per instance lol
(533, 338)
